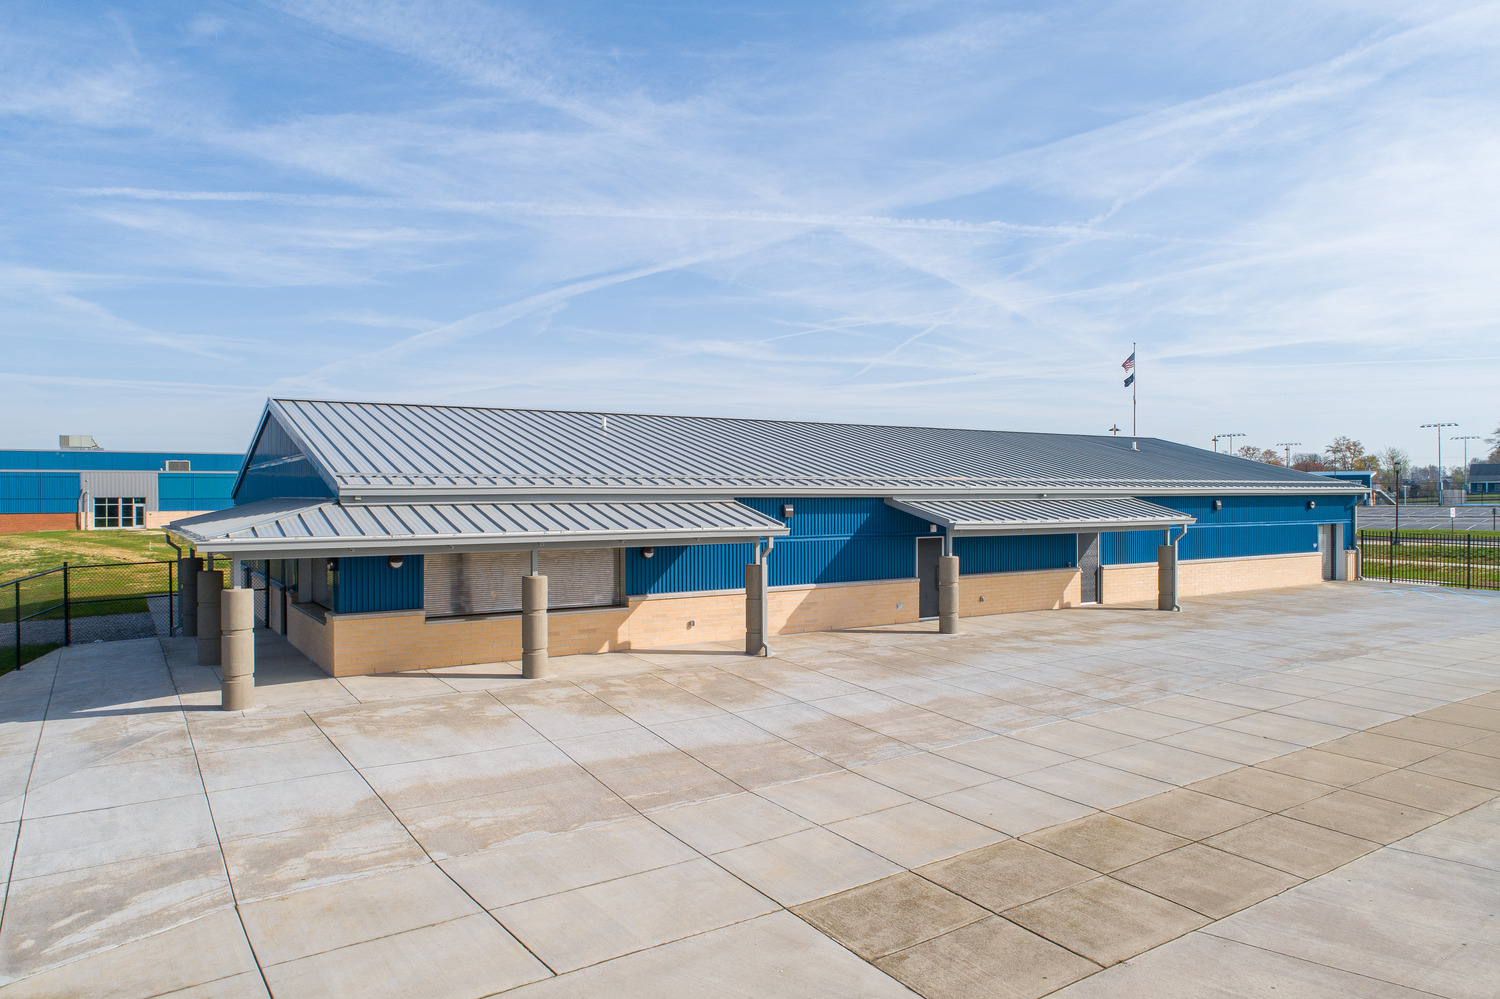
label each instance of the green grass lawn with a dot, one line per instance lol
(23, 554)
(92, 590)
(28, 653)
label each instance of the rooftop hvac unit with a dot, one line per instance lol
(179, 465)
(76, 442)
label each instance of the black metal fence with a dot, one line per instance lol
(73, 604)
(1440, 558)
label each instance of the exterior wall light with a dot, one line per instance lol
(1312, 504)
(932, 528)
(786, 511)
(1218, 504)
(395, 561)
(648, 552)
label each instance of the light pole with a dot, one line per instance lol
(1395, 495)
(1229, 448)
(1289, 445)
(1216, 443)
(1466, 438)
(1439, 427)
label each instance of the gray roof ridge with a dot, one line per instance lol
(717, 419)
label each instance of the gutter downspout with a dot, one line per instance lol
(1176, 563)
(764, 557)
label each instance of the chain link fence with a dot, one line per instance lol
(74, 604)
(1441, 558)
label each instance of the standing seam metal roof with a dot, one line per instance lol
(375, 446)
(265, 523)
(991, 515)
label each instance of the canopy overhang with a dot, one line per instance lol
(1063, 515)
(306, 528)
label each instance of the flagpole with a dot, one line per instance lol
(1134, 371)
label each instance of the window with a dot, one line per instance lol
(490, 582)
(119, 511)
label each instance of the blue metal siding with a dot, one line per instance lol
(124, 461)
(292, 478)
(684, 568)
(194, 490)
(370, 584)
(831, 541)
(1247, 525)
(1015, 554)
(841, 540)
(39, 492)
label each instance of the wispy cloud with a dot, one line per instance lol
(932, 212)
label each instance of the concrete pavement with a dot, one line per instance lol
(1292, 788)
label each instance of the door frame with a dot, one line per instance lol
(1098, 566)
(917, 565)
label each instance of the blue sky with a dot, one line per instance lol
(938, 213)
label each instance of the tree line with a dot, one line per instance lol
(1347, 454)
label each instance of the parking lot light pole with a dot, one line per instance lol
(1289, 445)
(1466, 438)
(1439, 428)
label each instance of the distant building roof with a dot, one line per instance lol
(1484, 472)
(101, 459)
(400, 453)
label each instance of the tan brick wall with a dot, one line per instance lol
(797, 609)
(1008, 592)
(1132, 583)
(161, 518)
(350, 644)
(402, 640)
(310, 636)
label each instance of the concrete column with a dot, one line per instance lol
(533, 627)
(1166, 577)
(187, 594)
(237, 647)
(948, 594)
(755, 608)
(210, 594)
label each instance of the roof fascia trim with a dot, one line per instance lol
(443, 544)
(418, 495)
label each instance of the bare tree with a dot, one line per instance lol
(1346, 453)
(1494, 442)
(1387, 461)
(1308, 461)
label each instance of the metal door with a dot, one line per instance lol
(929, 550)
(1088, 568)
(1326, 549)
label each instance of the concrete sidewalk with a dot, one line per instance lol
(1292, 789)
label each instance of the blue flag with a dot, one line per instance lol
(1130, 379)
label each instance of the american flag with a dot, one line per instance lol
(1129, 364)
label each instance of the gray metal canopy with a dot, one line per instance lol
(300, 528)
(1043, 516)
